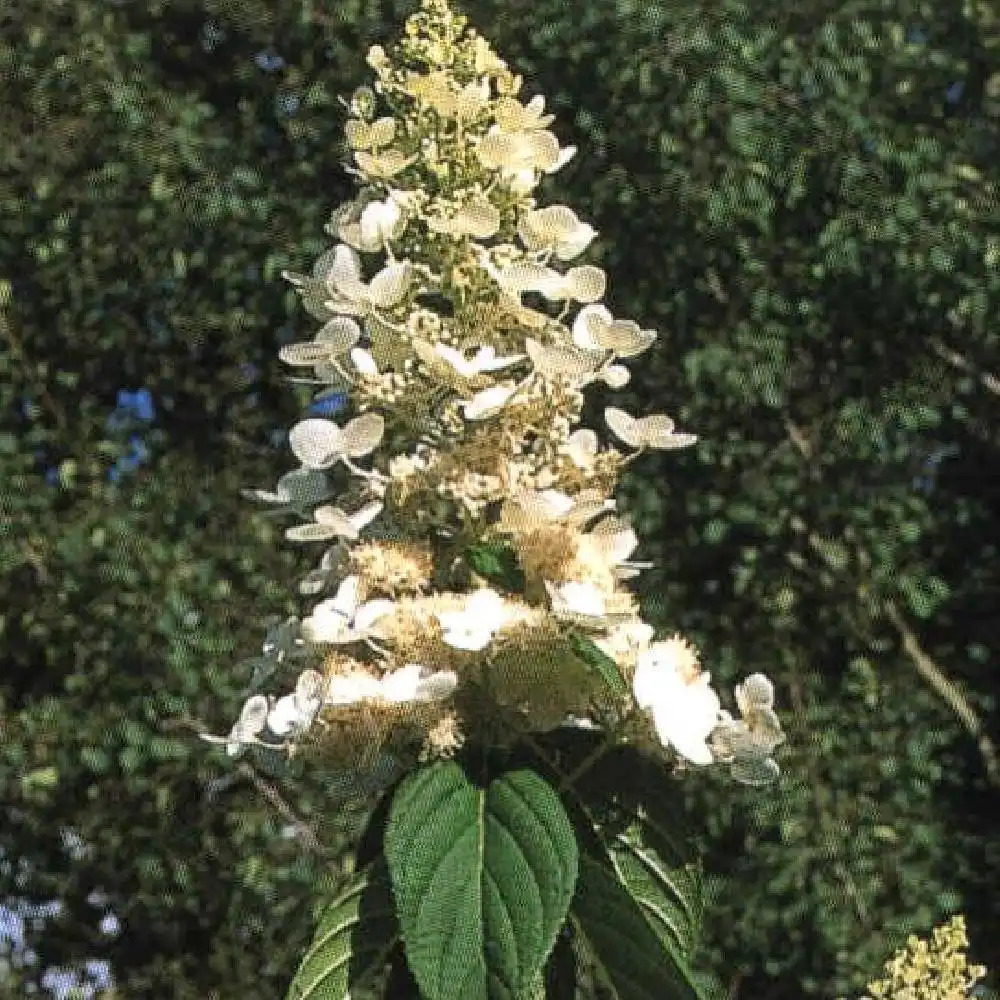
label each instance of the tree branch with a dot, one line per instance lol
(948, 691)
(934, 676)
(990, 382)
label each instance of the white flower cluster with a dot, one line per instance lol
(486, 392)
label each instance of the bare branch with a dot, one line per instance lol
(990, 382)
(948, 691)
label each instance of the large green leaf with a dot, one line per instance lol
(669, 893)
(628, 956)
(356, 934)
(632, 824)
(483, 874)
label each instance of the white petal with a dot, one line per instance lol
(487, 606)
(336, 520)
(456, 359)
(654, 681)
(363, 361)
(311, 532)
(365, 515)
(306, 354)
(253, 714)
(346, 600)
(586, 283)
(309, 689)
(590, 325)
(756, 690)
(363, 434)
(577, 598)
(346, 689)
(389, 286)
(485, 360)
(325, 624)
(487, 402)
(316, 443)
(622, 425)
(341, 333)
(370, 612)
(468, 637)
(344, 272)
(565, 155)
(583, 447)
(615, 376)
(401, 685)
(284, 716)
(654, 429)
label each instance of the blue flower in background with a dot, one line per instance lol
(136, 455)
(134, 412)
(138, 404)
(269, 61)
(916, 35)
(328, 406)
(954, 92)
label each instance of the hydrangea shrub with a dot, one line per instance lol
(474, 628)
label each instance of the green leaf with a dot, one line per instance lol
(601, 664)
(497, 562)
(627, 954)
(634, 827)
(669, 894)
(482, 876)
(355, 936)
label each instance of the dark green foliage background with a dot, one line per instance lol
(786, 195)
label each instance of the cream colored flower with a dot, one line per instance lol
(526, 509)
(595, 329)
(487, 402)
(557, 229)
(484, 360)
(655, 431)
(479, 218)
(473, 627)
(319, 443)
(347, 293)
(513, 116)
(296, 711)
(579, 603)
(515, 151)
(747, 744)
(332, 522)
(370, 135)
(250, 724)
(383, 166)
(341, 619)
(415, 682)
(349, 689)
(335, 339)
(685, 709)
(567, 362)
(582, 448)
(625, 640)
